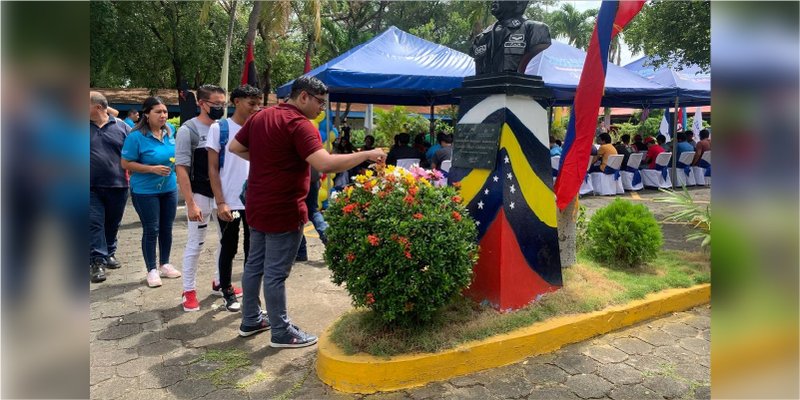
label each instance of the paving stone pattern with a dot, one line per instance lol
(144, 346)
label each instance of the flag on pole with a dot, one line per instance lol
(679, 126)
(611, 19)
(249, 74)
(666, 125)
(697, 124)
(307, 66)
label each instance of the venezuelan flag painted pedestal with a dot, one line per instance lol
(513, 203)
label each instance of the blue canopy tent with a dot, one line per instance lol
(693, 86)
(560, 67)
(394, 67)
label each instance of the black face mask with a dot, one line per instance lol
(215, 113)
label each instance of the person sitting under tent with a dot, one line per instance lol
(655, 147)
(403, 151)
(606, 150)
(703, 146)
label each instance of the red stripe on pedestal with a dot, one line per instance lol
(502, 276)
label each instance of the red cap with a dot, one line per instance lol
(650, 140)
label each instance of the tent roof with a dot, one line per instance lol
(692, 84)
(560, 65)
(394, 67)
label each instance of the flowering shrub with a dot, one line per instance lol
(402, 246)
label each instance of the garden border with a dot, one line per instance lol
(365, 374)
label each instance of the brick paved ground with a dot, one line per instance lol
(144, 346)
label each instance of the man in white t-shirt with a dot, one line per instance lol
(227, 173)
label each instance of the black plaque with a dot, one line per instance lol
(475, 145)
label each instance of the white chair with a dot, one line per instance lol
(658, 177)
(407, 162)
(683, 171)
(608, 182)
(554, 163)
(631, 176)
(445, 167)
(586, 186)
(702, 171)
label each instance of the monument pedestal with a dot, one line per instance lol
(501, 158)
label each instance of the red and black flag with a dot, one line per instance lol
(249, 75)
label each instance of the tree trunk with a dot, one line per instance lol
(227, 56)
(267, 78)
(567, 244)
(252, 22)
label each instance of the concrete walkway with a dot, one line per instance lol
(144, 346)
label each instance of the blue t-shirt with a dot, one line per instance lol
(129, 121)
(432, 151)
(683, 147)
(555, 151)
(146, 149)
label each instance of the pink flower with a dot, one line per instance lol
(436, 175)
(351, 257)
(370, 299)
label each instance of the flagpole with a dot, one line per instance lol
(675, 145)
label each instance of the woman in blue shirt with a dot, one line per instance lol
(149, 153)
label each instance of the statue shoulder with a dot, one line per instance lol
(538, 31)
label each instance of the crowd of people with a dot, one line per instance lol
(651, 147)
(249, 173)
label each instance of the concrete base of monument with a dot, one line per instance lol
(361, 373)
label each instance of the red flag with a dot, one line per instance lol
(613, 16)
(307, 67)
(249, 75)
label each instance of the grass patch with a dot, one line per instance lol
(588, 287)
(228, 361)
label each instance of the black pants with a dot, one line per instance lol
(229, 244)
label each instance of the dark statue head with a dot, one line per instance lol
(508, 9)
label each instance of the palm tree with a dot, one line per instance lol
(574, 25)
(270, 19)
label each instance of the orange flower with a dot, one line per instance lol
(456, 216)
(349, 208)
(408, 255)
(413, 190)
(370, 298)
(457, 199)
(409, 199)
(374, 240)
(456, 185)
(351, 257)
(418, 216)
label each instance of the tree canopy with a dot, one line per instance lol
(676, 32)
(159, 44)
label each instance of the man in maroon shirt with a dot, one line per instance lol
(280, 143)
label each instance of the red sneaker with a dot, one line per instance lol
(190, 302)
(218, 290)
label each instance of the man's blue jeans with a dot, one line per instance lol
(270, 261)
(157, 213)
(315, 217)
(106, 207)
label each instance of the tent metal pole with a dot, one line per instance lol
(675, 145)
(433, 122)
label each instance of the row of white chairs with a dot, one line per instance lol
(615, 181)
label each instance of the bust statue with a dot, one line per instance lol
(511, 42)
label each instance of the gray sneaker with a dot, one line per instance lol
(293, 338)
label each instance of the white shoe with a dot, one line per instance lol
(168, 271)
(153, 278)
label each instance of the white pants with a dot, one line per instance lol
(196, 239)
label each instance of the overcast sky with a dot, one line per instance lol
(583, 5)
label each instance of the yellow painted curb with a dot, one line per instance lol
(363, 373)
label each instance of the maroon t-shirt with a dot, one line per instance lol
(279, 139)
